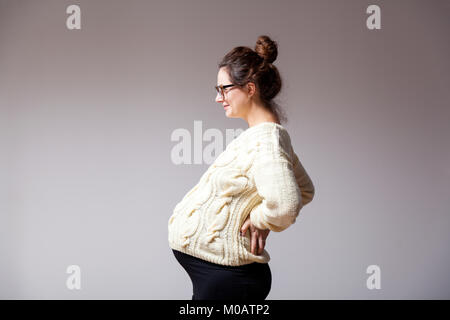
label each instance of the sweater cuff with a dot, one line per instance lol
(257, 217)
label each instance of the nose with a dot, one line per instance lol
(219, 98)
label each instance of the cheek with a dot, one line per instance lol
(237, 101)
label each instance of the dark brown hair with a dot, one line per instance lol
(245, 65)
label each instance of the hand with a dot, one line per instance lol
(257, 236)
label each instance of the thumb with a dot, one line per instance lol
(244, 227)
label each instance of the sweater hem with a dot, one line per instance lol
(265, 258)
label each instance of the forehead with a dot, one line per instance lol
(222, 77)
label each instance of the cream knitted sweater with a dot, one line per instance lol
(258, 174)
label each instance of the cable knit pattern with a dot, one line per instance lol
(258, 174)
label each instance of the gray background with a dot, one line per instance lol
(86, 117)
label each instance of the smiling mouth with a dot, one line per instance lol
(226, 106)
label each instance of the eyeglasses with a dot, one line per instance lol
(221, 89)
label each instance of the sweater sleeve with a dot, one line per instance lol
(304, 181)
(276, 182)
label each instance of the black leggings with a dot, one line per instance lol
(212, 281)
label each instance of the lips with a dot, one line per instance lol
(225, 106)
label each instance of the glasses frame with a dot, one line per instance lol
(221, 89)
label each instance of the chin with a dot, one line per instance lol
(229, 114)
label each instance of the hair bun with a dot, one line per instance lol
(266, 48)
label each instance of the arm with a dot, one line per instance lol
(277, 185)
(304, 182)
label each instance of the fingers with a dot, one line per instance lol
(245, 227)
(243, 230)
(257, 237)
(253, 243)
(261, 245)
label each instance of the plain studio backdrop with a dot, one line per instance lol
(87, 176)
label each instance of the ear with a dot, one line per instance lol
(251, 89)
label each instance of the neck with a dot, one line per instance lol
(258, 113)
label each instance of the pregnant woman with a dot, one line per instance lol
(217, 232)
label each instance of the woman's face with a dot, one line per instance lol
(236, 100)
